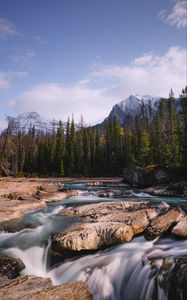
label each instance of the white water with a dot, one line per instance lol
(122, 272)
(141, 195)
(119, 273)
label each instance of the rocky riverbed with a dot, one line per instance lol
(81, 241)
(18, 196)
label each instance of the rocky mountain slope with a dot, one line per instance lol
(131, 107)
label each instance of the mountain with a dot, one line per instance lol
(28, 120)
(131, 107)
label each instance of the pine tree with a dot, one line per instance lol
(144, 150)
(59, 151)
(183, 114)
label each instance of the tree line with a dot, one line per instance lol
(151, 138)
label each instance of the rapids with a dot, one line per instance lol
(122, 272)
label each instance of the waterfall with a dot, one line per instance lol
(121, 272)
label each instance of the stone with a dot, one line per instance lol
(14, 226)
(138, 220)
(34, 288)
(10, 266)
(91, 236)
(178, 279)
(180, 230)
(162, 223)
(103, 208)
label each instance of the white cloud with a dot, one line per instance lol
(7, 29)
(40, 39)
(178, 15)
(145, 59)
(26, 59)
(148, 74)
(7, 77)
(55, 100)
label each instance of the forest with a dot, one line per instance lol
(151, 138)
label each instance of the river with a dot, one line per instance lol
(122, 272)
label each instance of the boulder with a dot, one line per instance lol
(91, 236)
(14, 226)
(138, 220)
(155, 175)
(10, 266)
(146, 176)
(178, 279)
(172, 277)
(103, 208)
(178, 189)
(162, 223)
(34, 288)
(180, 230)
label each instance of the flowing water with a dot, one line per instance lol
(122, 272)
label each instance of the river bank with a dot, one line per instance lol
(18, 196)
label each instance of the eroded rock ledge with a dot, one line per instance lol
(20, 196)
(34, 288)
(115, 222)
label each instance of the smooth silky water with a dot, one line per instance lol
(122, 272)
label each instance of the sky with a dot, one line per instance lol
(64, 57)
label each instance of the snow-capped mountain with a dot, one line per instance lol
(28, 120)
(131, 107)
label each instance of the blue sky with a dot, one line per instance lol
(59, 57)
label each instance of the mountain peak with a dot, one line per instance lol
(133, 102)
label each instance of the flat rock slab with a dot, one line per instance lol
(180, 230)
(91, 236)
(18, 196)
(138, 220)
(10, 266)
(163, 222)
(103, 208)
(37, 288)
(14, 209)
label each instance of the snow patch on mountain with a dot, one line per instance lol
(26, 121)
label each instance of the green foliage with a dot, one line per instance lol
(157, 138)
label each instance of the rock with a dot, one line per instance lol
(106, 194)
(163, 222)
(103, 208)
(180, 230)
(173, 189)
(10, 266)
(109, 193)
(93, 183)
(178, 279)
(14, 226)
(155, 175)
(91, 236)
(20, 196)
(146, 176)
(7, 214)
(178, 189)
(34, 288)
(61, 195)
(138, 220)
